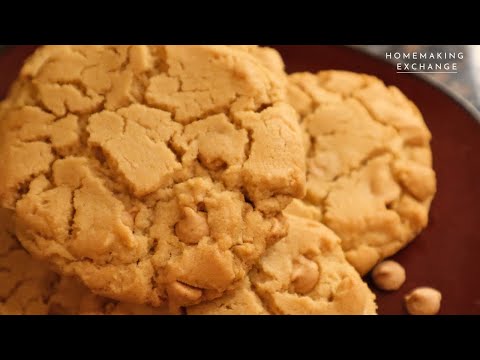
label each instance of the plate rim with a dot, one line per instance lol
(466, 104)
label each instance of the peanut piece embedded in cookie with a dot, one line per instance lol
(193, 227)
(388, 275)
(183, 294)
(305, 274)
(423, 301)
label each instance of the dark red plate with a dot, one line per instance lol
(447, 254)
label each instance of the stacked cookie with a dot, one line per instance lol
(160, 180)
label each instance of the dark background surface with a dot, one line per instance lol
(446, 254)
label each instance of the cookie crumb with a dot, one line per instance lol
(388, 275)
(423, 301)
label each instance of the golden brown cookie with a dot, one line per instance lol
(304, 273)
(150, 172)
(29, 287)
(369, 163)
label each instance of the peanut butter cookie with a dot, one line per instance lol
(150, 172)
(304, 273)
(369, 163)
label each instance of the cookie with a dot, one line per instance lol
(30, 287)
(150, 172)
(304, 273)
(369, 163)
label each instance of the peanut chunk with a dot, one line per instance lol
(305, 275)
(388, 275)
(423, 301)
(182, 294)
(193, 227)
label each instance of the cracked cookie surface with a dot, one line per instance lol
(369, 163)
(25, 284)
(29, 287)
(304, 273)
(150, 172)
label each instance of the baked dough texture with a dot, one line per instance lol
(152, 173)
(25, 284)
(304, 273)
(369, 163)
(30, 287)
